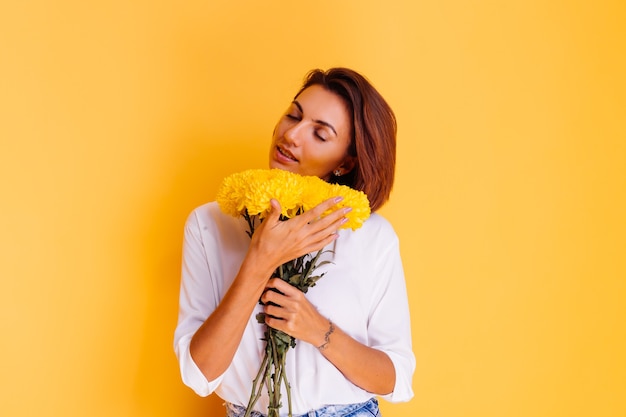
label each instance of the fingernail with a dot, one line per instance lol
(344, 220)
(338, 199)
(347, 210)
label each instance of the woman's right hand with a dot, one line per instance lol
(277, 241)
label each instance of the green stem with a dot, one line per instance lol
(276, 385)
(268, 380)
(256, 392)
(250, 221)
(272, 370)
(287, 386)
(312, 265)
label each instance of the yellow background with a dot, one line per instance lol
(118, 117)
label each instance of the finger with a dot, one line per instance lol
(274, 213)
(274, 312)
(318, 240)
(317, 211)
(326, 228)
(277, 314)
(282, 286)
(272, 296)
(276, 323)
(333, 220)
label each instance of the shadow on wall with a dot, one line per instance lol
(194, 170)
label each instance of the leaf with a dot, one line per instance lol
(283, 337)
(323, 263)
(295, 279)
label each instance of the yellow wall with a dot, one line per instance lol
(119, 117)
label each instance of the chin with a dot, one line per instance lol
(276, 165)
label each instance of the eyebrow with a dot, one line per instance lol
(316, 121)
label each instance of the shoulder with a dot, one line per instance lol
(209, 219)
(379, 221)
(206, 209)
(377, 235)
(208, 213)
(215, 230)
(378, 227)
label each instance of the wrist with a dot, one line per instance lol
(261, 265)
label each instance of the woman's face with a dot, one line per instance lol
(313, 136)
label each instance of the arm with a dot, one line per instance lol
(214, 344)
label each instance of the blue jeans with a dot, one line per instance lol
(366, 409)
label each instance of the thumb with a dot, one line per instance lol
(274, 213)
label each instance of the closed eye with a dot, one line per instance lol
(319, 136)
(321, 122)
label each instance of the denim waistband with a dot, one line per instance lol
(366, 409)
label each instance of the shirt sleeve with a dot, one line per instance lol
(389, 325)
(197, 300)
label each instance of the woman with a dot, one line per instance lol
(353, 330)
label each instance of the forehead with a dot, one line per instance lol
(321, 104)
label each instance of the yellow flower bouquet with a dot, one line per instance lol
(248, 194)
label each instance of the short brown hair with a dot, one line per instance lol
(374, 130)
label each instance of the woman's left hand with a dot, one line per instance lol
(289, 310)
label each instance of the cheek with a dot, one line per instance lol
(278, 131)
(275, 129)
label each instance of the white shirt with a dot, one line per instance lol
(363, 292)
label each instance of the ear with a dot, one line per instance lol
(347, 165)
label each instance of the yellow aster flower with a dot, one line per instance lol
(252, 190)
(287, 188)
(229, 196)
(314, 192)
(357, 200)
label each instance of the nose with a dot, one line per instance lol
(294, 133)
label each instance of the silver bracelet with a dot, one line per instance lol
(330, 331)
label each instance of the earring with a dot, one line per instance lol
(337, 173)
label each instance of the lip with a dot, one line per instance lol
(283, 155)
